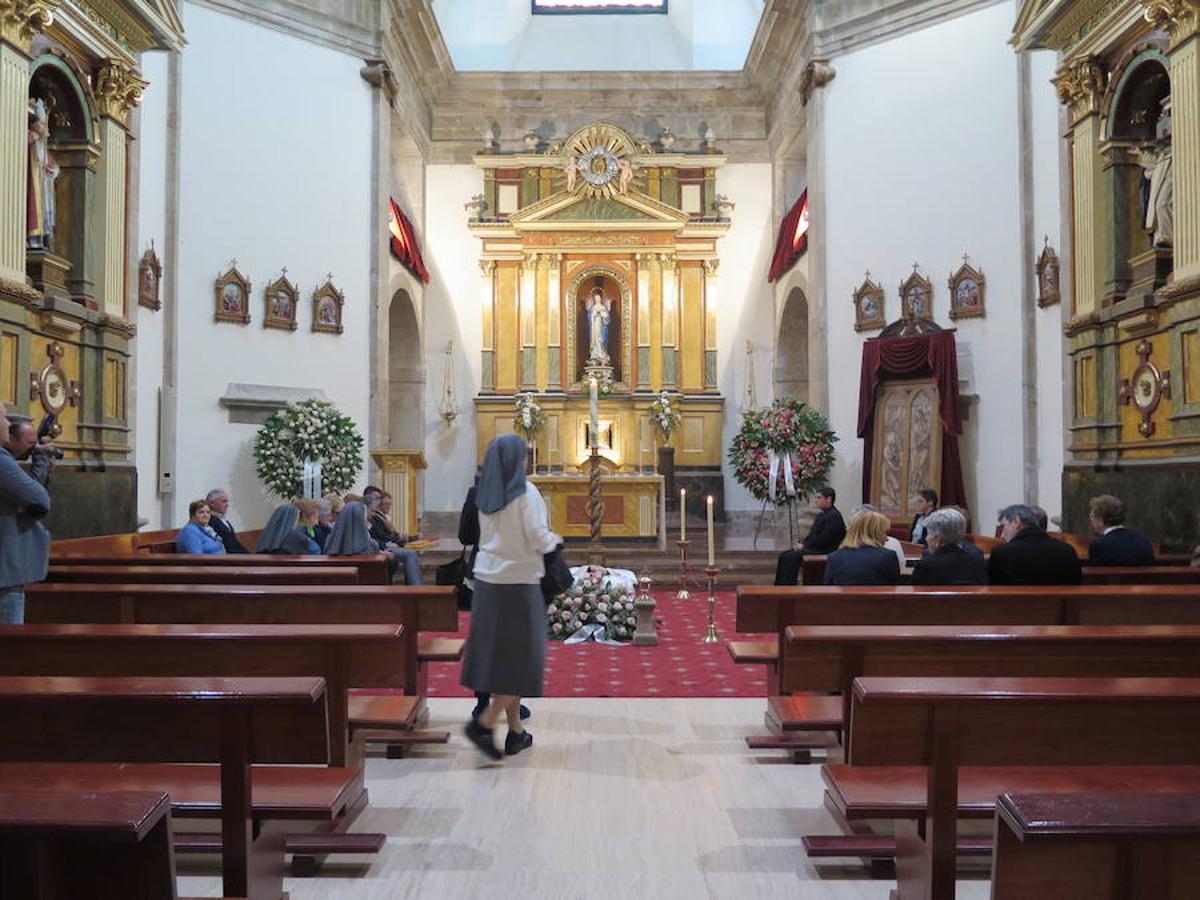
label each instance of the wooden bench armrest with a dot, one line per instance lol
(754, 651)
(440, 649)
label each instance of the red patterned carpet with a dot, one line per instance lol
(682, 665)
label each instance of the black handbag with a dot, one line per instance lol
(452, 573)
(558, 577)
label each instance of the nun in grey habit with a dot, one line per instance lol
(280, 535)
(506, 650)
(350, 536)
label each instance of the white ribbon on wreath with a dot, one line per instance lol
(776, 461)
(594, 632)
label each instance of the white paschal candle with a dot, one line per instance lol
(712, 557)
(594, 406)
(683, 514)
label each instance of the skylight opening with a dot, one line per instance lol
(591, 7)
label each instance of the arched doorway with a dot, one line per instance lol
(791, 348)
(406, 376)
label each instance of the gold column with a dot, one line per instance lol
(711, 297)
(1080, 87)
(670, 320)
(643, 320)
(487, 291)
(399, 476)
(20, 20)
(554, 321)
(118, 90)
(528, 306)
(691, 327)
(1181, 20)
(656, 325)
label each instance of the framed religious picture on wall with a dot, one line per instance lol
(1048, 276)
(150, 280)
(281, 299)
(966, 291)
(868, 306)
(327, 307)
(916, 296)
(231, 295)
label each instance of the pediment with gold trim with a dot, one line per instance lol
(631, 210)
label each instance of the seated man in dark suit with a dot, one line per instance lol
(948, 560)
(1029, 555)
(1115, 545)
(218, 504)
(390, 541)
(825, 536)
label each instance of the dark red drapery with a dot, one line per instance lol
(792, 240)
(404, 242)
(913, 357)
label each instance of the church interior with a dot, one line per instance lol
(731, 270)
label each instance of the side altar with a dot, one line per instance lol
(599, 262)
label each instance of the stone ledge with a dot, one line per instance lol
(250, 404)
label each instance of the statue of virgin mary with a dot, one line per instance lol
(599, 310)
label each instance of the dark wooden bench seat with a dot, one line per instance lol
(101, 845)
(133, 574)
(122, 733)
(1074, 728)
(371, 569)
(440, 649)
(1081, 846)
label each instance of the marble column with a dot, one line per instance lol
(1181, 20)
(20, 20)
(818, 74)
(1080, 86)
(118, 90)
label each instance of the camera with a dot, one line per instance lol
(48, 429)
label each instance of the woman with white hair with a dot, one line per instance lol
(948, 561)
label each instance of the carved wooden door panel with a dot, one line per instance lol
(907, 452)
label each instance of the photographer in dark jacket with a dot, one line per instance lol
(825, 536)
(24, 501)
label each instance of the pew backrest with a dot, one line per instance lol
(135, 574)
(371, 569)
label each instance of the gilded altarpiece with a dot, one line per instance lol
(591, 267)
(1129, 83)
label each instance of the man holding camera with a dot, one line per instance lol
(24, 501)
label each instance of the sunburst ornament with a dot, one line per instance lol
(598, 166)
(603, 157)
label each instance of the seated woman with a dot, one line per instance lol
(331, 505)
(282, 535)
(862, 558)
(197, 536)
(305, 533)
(349, 536)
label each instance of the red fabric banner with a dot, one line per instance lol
(792, 240)
(912, 357)
(404, 242)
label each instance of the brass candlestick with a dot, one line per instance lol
(683, 593)
(710, 636)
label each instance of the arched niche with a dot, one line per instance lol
(406, 375)
(62, 91)
(1136, 104)
(791, 347)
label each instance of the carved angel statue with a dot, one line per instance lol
(624, 174)
(572, 169)
(1158, 194)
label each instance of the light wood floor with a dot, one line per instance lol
(618, 798)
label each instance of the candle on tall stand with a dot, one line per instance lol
(683, 514)
(712, 559)
(594, 406)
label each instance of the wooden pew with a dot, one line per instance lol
(104, 846)
(112, 734)
(1141, 575)
(417, 609)
(925, 751)
(371, 569)
(1082, 846)
(138, 574)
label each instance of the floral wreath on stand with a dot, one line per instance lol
(593, 603)
(529, 418)
(308, 431)
(664, 412)
(782, 452)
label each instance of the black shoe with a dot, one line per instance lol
(478, 710)
(482, 738)
(516, 742)
(525, 713)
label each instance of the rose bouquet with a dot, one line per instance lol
(592, 600)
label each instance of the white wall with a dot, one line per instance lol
(922, 167)
(148, 346)
(503, 35)
(452, 312)
(276, 162)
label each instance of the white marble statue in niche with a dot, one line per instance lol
(599, 312)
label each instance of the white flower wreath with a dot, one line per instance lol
(308, 430)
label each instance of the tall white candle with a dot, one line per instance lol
(594, 404)
(712, 557)
(683, 514)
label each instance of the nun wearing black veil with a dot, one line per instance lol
(506, 650)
